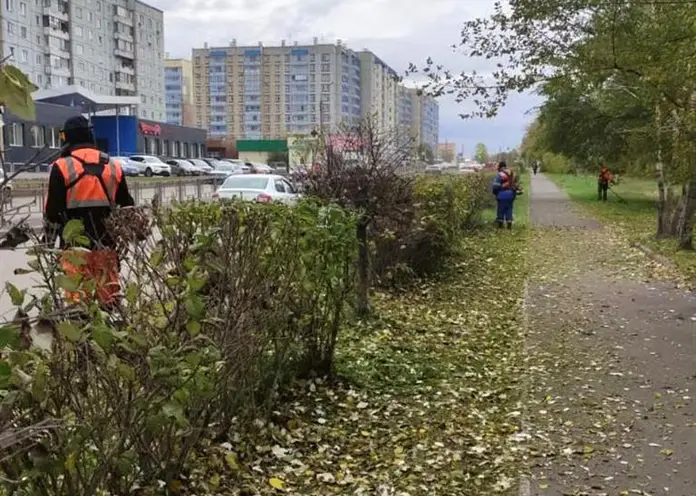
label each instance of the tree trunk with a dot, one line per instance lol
(363, 303)
(686, 225)
(662, 203)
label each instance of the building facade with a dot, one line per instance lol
(178, 92)
(418, 115)
(256, 92)
(110, 47)
(379, 85)
(447, 151)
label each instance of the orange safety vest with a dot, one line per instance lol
(91, 180)
(86, 186)
(605, 175)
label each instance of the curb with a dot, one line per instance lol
(654, 256)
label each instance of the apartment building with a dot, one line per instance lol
(255, 92)
(178, 92)
(379, 85)
(110, 47)
(418, 115)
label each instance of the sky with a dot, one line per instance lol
(397, 31)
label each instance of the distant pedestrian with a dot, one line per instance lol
(505, 189)
(603, 180)
(535, 167)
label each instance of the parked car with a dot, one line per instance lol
(202, 165)
(257, 168)
(129, 167)
(240, 165)
(151, 166)
(181, 167)
(279, 166)
(223, 169)
(468, 168)
(433, 169)
(265, 188)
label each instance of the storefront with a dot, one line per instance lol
(35, 140)
(129, 135)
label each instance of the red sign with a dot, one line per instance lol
(345, 142)
(150, 129)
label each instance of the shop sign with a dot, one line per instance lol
(150, 129)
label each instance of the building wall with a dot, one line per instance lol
(379, 90)
(258, 91)
(22, 142)
(178, 80)
(110, 47)
(149, 42)
(430, 121)
(446, 150)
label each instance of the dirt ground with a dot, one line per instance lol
(612, 349)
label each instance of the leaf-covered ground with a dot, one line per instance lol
(427, 401)
(631, 210)
(611, 362)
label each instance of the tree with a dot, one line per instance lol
(360, 168)
(624, 62)
(481, 153)
(425, 153)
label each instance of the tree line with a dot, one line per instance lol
(618, 82)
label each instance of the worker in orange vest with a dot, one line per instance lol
(605, 177)
(85, 184)
(505, 189)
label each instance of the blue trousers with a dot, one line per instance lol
(505, 207)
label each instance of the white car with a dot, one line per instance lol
(202, 165)
(240, 165)
(468, 168)
(223, 169)
(151, 166)
(259, 188)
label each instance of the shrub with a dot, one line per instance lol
(443, 206)
(222, 303)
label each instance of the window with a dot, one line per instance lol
(23, 32)
(38, 139)
(17, 134)
(9, 5)
(78, 12)
(25, 56)
(325, 68)
(279, 187)
(53, 137)
(79, 49)
(10, 28)
(23, 8)
(78, 30)
(325, 57)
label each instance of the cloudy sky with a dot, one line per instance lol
(398, 31)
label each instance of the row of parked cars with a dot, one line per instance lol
(150, 165)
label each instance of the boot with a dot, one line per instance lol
(509, 225)
(500, 224)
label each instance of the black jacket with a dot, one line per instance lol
(56, 214)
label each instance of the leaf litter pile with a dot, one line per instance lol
(427, 400)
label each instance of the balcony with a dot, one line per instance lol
(124, 20)
(118, 35)
(130, 55)
(57, 13)
(51, 50)
(57, 32)
(123, 69)
(58, 71)
(122, 85)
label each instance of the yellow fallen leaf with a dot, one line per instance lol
(231, 459)
(276, 483)
(543, 486)
(667, 452)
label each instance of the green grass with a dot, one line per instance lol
(632, 207)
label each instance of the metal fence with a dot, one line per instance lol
(32, 202)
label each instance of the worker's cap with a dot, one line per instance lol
(78, 122)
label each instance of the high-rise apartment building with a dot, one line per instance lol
(418, 115)
(110, 47)
(379, 84)
(178, 92)
(255, 92)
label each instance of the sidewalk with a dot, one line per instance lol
(613, 361)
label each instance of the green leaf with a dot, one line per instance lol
(193, 327)
(15, 92)
(69, 283)
(70, 331)
(131, 293)
(5, 373)
(195, 306)
(9, 335)
(156, 258)
(72, 230)
(103, 336)
(16, 295)
(75, 257)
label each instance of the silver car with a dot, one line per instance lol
(259, 188)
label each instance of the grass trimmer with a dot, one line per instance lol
(621, 198)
